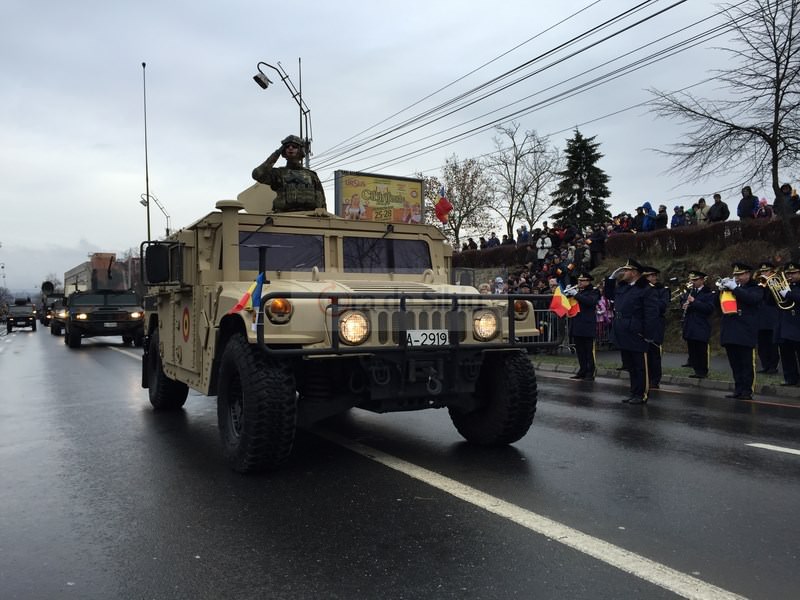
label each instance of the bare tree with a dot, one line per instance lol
(755, 132)
(468, 188)
(524, 170)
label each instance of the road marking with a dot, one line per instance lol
(775, 448)
(126, 352)
(661, 575)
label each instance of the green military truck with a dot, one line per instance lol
(101, 313)
(342, 314)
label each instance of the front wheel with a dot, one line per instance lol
(72, 339)
(256, 407)
(165, 393)
(34, 326)
(507, 392)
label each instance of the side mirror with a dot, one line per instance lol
(156, 261)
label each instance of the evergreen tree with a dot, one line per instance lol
(582, 191)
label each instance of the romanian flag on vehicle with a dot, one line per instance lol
(251, 298)
(727, 302)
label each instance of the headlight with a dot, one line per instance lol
(279, 310)
(484, 325)
(353, 327)
(137, 314)
(62, 314)
(81, 316)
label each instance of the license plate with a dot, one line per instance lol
(109, 324)
(427, 337)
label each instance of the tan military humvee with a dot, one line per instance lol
(351, 314)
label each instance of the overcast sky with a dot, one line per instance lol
(71, 109)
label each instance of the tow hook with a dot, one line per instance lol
(434, 384)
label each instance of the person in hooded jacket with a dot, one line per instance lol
(583, 326)
(748, 205)
(660, 222)
(648, 223)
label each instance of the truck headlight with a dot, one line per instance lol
(81, 316)
(62, 314)
(484, 325)
(136, 315)
(353, 327)
(278, 310)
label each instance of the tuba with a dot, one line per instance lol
(775, 283)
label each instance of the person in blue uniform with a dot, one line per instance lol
(767, 322)
(654, 350)
(633, 327)
(787, 333)
(583, 326)
(698, 306)
(739, 329)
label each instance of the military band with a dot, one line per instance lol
(760, 310)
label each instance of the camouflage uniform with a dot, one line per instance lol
(297, 188)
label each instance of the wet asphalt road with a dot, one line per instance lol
(103, 498)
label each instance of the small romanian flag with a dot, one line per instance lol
(562, 305)
(251, 298)
(727, 302)
(443, 207)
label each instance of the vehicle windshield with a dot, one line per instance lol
(87, 300)
(20, 311)
(385, 255)
(122, 300)
(128, 299)
(285, 251)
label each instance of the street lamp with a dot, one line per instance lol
(146, 170)
(144, 201)
(305, 113)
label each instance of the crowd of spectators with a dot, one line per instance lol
(557, 255)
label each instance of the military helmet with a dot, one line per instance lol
(293, 139)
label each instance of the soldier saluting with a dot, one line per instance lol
(635, 318)
(297, 188)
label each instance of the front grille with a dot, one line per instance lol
(108, 315)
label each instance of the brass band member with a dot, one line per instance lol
(739, 329)
(635, 315)
(697, 310)
(767, 322)
(583, 326)
(787, 333)
(654, 350)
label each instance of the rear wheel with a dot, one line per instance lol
(256, 407)
(165, 393)
(507, 390)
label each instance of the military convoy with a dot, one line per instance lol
(292, 317)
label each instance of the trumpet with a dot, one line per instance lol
(776, 283)
(721, 283)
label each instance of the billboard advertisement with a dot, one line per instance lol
(371, 197)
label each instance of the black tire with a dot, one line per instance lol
(33, 327)
(55, 328)
(9, 328)
(73, 340)
(256, 407)
(507, 390)
(127, 340)
(138, 340)
(165, 393)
